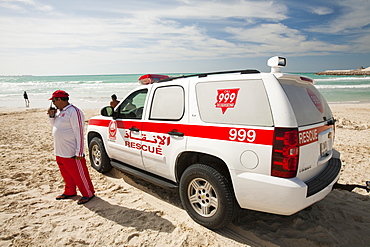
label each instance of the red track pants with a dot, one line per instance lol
(75, 173)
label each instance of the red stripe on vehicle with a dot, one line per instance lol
(99, 122)
(311, 135)
(256, 136)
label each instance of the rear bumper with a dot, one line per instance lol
(325, 178)
(284, 196)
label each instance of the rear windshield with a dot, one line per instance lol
(308, 104)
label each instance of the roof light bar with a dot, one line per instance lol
(151, 78)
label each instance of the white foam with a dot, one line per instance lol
(336, 79)
(343, 86)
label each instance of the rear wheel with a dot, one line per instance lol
(207, 196)
(98, 156)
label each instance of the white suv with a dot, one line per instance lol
(226, 140)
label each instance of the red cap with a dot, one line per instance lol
(59, 94)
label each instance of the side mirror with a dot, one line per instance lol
(107, 111)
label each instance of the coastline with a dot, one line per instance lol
(345, 72)
(130, 212)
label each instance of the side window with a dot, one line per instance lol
(132, 107)
(242, 102)
(168, 103)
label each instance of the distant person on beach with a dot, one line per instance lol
(26, 100)
(114, 101)
(68, 132)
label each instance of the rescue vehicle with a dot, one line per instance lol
(225, 140)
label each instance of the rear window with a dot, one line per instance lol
(234, 102)
(308, 104)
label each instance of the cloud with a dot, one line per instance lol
(268, 10)
(154, 30)
(24, 6)
(361, 44)
(11, 6)
(353, 16)
(321, 10)
(75, 35)
(267, 38)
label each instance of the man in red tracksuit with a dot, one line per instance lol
(68, 132)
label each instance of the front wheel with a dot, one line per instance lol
(207, 196)
(98, 156)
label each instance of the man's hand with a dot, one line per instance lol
(51, 112)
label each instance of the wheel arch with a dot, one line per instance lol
(187, 159)
(91, 135)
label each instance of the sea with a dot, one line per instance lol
(94, 91)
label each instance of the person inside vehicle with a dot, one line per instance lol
(129, 105)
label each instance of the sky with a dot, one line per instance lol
(90, 37)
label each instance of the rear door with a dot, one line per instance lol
(315, 126)
(165, 128)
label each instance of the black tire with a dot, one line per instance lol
(207, 196)
(98, 156)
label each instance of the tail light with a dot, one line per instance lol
(285, 153)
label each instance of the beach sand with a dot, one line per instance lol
(130, 212)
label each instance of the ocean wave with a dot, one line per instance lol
(335, 79)
(343, 86)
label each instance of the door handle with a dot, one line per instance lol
(331, 122)
(134, 129)
(175, 133)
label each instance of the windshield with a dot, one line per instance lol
(308, 104)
